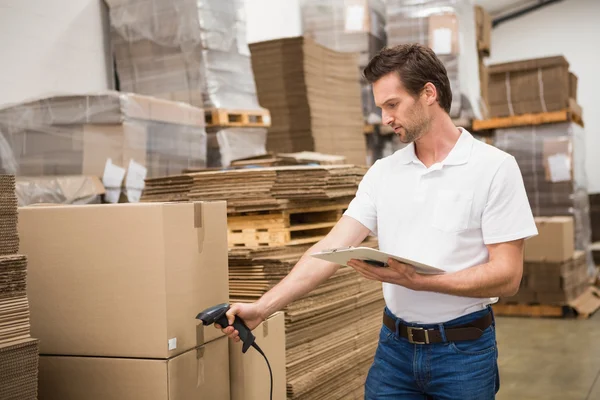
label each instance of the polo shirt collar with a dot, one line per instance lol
(460, 153)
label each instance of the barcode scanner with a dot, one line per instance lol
(217, 314)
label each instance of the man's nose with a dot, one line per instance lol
(387, 119)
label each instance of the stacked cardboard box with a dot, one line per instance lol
(551, 158)
(323, 361)
(18, 351)
(531, 86)
(184, 50)
(114, 293)
(554, 272)
(356, 26)
(97, 134)
(439, 24)
(313, 94)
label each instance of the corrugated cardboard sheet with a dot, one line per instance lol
(14, 308)
(19, 370)
(9, 239)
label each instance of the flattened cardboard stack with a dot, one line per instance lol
(18, 351)
(184, 50)
(313, 95)
(551, 158)
(323, 361)
(9, 238)
(355, 26)
(258, 188)
(530, 86)
(554, 272)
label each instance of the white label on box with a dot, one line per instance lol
(136, 174)
(560, 167)
(355, 17)
(172, 344)
(112, 181)
(442, 41)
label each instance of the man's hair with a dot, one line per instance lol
(416, 65)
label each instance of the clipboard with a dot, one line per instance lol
(343, 255)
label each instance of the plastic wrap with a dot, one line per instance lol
(356, 26)
(192, 51)
(81, 135)
(229, 144)
(552, 160)
(448, 27)
(59, 190)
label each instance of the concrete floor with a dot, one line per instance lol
(549, 359)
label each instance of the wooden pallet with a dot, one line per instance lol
(582, 307)
(529, 119)
(237, 118)
(282, 228)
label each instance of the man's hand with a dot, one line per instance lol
(249, 313)
(396, 273)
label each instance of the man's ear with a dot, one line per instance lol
(430, 92)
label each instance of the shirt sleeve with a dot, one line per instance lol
(363, 207)
(507, 215)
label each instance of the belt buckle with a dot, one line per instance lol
(411, 340)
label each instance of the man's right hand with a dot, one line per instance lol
(250, 313)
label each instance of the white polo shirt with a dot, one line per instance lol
(444, 216)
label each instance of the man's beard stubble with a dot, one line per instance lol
(418, 127)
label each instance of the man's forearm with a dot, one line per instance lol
(484, 280)
(308, 273)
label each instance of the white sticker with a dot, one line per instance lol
(560, 167)
(442, 41)
(355, 17)
(136, 174)
(172, 344)
(112, 181)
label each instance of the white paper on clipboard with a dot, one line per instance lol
(343, 255)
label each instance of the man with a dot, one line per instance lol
(445, 200)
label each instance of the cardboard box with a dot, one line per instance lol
(443, 34)
(198, 374)
(573, 86)
(124, 280)
(483, 26)
(555, 240)
(249, 374)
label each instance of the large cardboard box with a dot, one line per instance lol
(124, 280)
(555, 241)
(249, 373)
(198, 374)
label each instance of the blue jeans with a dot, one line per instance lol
(465, 370)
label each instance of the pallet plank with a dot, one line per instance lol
(528, 119)
(238, 118)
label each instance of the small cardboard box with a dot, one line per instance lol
(124, 280)
(198, 374)
(555, 240)
(249, 374)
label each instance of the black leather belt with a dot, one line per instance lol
(470, 331)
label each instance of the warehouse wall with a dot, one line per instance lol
(272, 19)
(570, 28)
(52, 46)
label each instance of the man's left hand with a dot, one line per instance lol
(396, 272)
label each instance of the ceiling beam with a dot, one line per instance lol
(519, 13)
